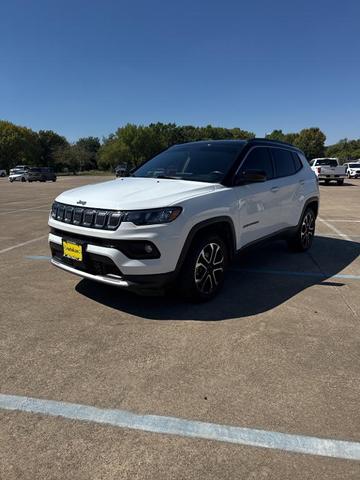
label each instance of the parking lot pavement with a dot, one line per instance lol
(278, 350)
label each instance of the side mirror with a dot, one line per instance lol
(250, 176)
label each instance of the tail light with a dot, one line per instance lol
(319, 169)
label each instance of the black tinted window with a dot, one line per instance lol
(297, 162)
(327, 161)
(258, 159)
(284, 164)
(204, 162)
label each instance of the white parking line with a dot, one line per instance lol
(185, 428)
(4, 250)
(342, 220)
(334, 229)
(26, 209)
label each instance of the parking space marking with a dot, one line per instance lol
(26, 209)
(343, 221)
(295, 273)
(334, 229)
(185, 428)
(18, 245)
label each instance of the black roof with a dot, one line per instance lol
(250, 141)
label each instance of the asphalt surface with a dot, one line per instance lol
(278, 350)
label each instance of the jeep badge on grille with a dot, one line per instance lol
(81, 202)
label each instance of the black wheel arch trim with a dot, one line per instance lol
(201, 226)
(307, 203)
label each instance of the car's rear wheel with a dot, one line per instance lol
(303, 238)
(202, 275)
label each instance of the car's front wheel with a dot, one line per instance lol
(202, 275)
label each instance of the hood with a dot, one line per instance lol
(131, 193)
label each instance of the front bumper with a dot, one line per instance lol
(146, 285)
(104, 262)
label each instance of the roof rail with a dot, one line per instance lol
(272, 141)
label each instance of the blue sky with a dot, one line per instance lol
(87, 67)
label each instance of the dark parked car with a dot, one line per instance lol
(40, 174)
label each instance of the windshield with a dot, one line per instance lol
(202, 162)
(354, 165)
(327, 161)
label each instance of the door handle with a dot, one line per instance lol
(274, 189)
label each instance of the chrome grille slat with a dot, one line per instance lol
(86, 217)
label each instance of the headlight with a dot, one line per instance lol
(152, 217)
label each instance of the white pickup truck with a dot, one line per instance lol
(328, 169)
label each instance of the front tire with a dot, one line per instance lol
(203, 272)
(303, 238)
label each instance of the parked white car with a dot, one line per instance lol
(352, 169)
(183, 215)
(328, 169)
(17, 175)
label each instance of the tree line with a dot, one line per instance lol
(132, 144)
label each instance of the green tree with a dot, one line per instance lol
(345, 150)
(18, 145)
(71, 157)
(312, 142)
(276, 135)
(282, 137)
(50, 142)
(112, 153)
(90, 147)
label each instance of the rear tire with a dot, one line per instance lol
(303, 238)
(202, 275)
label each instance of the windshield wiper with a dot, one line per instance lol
(168, 177)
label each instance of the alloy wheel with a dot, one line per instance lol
(209, 268)
(307, 229)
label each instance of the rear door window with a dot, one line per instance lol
(297, 162)
(284, 163)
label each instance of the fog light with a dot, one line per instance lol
(148, 248)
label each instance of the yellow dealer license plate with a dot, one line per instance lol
(73, 251)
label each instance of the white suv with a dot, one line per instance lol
(183, 215)
(352, 169)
